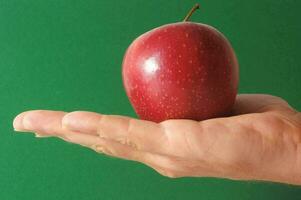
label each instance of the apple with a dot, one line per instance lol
(181, 70)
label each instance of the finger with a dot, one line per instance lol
(144, 135)
(49, 123)
(257, 103)
(42, 121)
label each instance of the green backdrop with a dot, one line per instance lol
(67, 54)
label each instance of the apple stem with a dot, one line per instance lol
(194, 8)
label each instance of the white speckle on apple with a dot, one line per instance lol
(179, 71)
(184, 45)
(180, 56)
(187, 35)
(159, 37)
(169, 55)
(151, 65)
(168, 47)
(190, 61)
(178, 82)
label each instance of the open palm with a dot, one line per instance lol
(260, 141)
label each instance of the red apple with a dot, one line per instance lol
(181, 70)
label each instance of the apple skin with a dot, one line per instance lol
(183, 70)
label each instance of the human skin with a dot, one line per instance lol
(261, 141)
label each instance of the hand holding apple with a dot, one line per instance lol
(186, 70)
(230, 147)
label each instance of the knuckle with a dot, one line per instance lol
(272, 120)
(69, 117)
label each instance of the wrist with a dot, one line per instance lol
(284, 169)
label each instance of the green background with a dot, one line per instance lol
(67, 54)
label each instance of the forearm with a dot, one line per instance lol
(286, 172)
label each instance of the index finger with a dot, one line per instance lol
(140, 134)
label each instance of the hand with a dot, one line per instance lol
(260, 142)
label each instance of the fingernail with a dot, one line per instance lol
(101, 149)
(39, 135)
(18, 123)
(64, 138)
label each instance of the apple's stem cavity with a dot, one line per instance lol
(194, 8)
